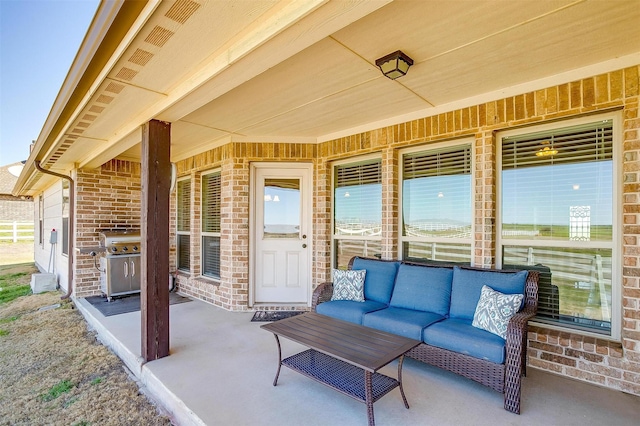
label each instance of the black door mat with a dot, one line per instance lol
(274, 315)
(126, 304)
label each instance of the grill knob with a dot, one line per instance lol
(114, 249)
(125, 248)
(135, 248)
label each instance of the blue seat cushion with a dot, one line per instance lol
(458, 335)
(403, 322)
(467, 287)
(423, 288)
(349, 310)
(379, 280)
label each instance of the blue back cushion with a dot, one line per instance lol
(379, 280)
(423, 288)
(467, 287)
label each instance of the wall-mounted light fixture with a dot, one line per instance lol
(394, 65)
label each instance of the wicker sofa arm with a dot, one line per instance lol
(516, 345)
(321, 294)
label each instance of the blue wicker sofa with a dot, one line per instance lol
(438, 305)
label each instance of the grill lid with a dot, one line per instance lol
(121, 241)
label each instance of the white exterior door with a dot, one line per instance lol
(281, 220)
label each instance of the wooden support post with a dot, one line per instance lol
(154, 223)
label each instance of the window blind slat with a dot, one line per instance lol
(359, 174)
(211, 196)
(437, 163)
(572, 145)
(184, 206)
(184, 262)
(211, 192)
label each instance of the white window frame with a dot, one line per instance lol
(204, 234)
(614, 245)
(334, 238)
(435, 147)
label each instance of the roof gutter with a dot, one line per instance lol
(70, 228)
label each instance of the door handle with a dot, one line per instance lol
(133, 269)
(304, 246)
(126, 269)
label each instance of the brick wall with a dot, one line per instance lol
(106, 198)
(233, 160)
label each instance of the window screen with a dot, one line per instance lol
(357, 211)
(557, 217)
(65, 216)
(184, 223)
(211, 188)
(41, 218)
(436, 205)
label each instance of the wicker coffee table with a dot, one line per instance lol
(343, 356)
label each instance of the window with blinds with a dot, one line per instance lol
(183, 221)
(357, 210)
(437, 204)
(557, 211)
(211, 195)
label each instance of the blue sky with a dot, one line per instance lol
(38, 42)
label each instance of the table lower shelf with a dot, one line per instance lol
(339, 375)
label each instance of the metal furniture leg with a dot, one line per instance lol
(404, 398)
(368, 392)
(275, 381)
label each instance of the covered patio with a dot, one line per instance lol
(222, 366)
(179, 118)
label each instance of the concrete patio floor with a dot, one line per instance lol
(222, 365)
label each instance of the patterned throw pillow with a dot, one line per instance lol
(495, 309)
(348, 285)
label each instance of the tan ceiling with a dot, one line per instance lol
(305, 70)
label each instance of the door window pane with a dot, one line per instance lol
(281, 208)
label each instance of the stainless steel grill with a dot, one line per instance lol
(121, 265)
(120, 242)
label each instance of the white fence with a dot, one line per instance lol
(15, 231)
